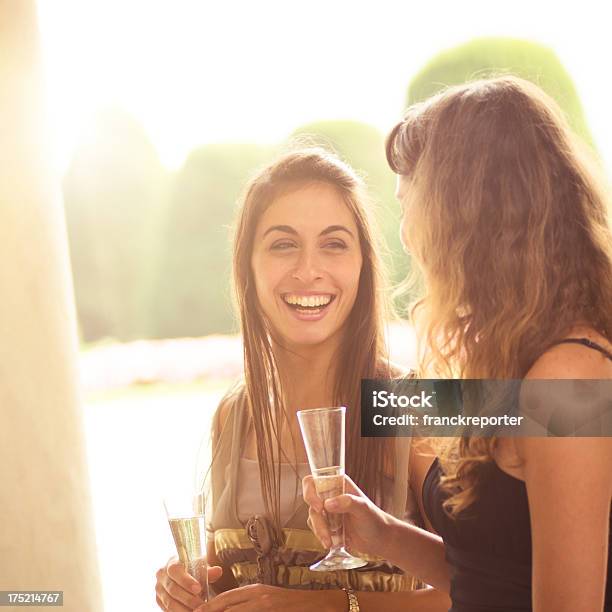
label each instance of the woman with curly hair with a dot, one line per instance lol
(505, 215)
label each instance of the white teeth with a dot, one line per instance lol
(310, 301)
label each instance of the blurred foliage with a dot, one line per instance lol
(191, 295)
(112, 192)
(363, 147)
(151, 252)
(486, 57)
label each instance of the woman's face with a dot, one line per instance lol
(306, 263)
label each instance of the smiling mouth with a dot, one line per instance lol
(311, 304)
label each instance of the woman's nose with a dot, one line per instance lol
(308, 267)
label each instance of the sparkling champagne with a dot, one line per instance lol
(329, 482)
(190, 538)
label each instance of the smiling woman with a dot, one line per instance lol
(306, 264)
(309, 291)
(308, 284)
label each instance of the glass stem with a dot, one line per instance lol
(337, 539)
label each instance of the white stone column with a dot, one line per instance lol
(46, 529)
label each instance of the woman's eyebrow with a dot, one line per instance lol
(336, 228)
(280, 228)
(287, 229)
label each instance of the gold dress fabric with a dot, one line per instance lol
(250, 546)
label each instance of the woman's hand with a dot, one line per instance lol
(366, 527)
(176, 590)
(261, 598)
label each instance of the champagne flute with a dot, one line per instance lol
(323, 430)
(188, 526)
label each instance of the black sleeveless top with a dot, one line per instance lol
(489, 546)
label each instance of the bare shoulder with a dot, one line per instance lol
(229, 402)
(578, 455)
(573, 360)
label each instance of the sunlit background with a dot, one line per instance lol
(194, 72)
(160, 111)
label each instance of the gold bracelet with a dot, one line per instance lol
(353, 602)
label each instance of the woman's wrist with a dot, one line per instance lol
(394, 532)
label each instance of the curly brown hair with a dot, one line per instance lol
(511, 234)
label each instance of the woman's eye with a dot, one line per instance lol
(335, 244)
(282, 245)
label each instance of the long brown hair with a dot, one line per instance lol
(362, 352)
(509, 223)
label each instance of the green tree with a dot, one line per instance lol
(192, 290)
(484, 57)
(112, 191)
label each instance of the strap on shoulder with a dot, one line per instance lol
(588, 343)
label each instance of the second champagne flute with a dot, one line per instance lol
(323, 430)
(185, 514)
